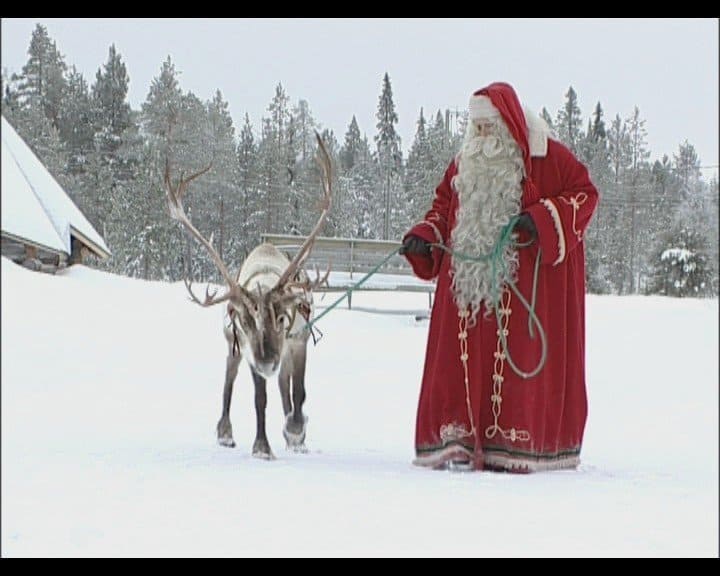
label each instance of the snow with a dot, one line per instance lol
(680, 255)
(376, 281)
(36, 180)
(677, 254)
(111, 390)
(22, 213)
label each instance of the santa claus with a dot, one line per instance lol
(504, 379)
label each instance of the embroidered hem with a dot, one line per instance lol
(526, 462)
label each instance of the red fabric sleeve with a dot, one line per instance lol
(561, 220)
(435, 224)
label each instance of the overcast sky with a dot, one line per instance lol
(667, 67)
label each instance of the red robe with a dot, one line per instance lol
(519, 424)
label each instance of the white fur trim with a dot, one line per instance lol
(538, 133)
(436, 230)
(538, 130)
(482, 107)
(558, 228)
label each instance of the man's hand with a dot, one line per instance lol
(525, 224)
(415, 245)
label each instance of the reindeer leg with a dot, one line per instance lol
(295, 422)
(224, 428)
(284, 383)
(261, 447)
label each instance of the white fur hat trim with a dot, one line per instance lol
(482, 107)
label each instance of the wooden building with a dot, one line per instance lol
(42, 228)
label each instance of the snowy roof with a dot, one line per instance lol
(22, 213)
(34, 205)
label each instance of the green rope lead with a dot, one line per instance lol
(349, 291)
(504, 278)
(500, 276)
(532, 318)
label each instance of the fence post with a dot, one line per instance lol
(352, 253)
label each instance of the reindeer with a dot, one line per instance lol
(269, 305)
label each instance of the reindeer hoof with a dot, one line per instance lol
(263, 455)
(295, 442)
(297, 448)
(261, 449)
(295, 434)
(224, 434)
(226, 441)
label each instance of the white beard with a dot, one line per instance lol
(488, 183)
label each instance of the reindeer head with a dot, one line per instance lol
(262, 320)
(262, 309)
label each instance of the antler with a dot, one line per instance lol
(323, 160)
(177, 212)
(309, 286)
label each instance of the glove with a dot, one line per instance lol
(525, 224)
(415, 245)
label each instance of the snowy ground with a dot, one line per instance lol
(111, 389)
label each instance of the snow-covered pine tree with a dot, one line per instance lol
(348, 204)
(250, 209)
(640, 201)
(192, 150)
(681, 266)
(686, 167)
(665, 198)
(714, 235)
(303, 188)
(10, 96)
(42, 81)
(420, 178)
(223, 196)
(617, 206)
(93, 122)
(162, 104)
(638, 147)
(360, 187)
(277, 162)
(349, 155)
(35, 99)
(266, 176)
(569, 123)
(77, 122)
(441, 148)
(599, 161)
(684, 260)
(389, 158)
(161, 242)
(619, 150)
(599, 235)
(351, 148)
(129, 201)
(110, 92)
(305, 127)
